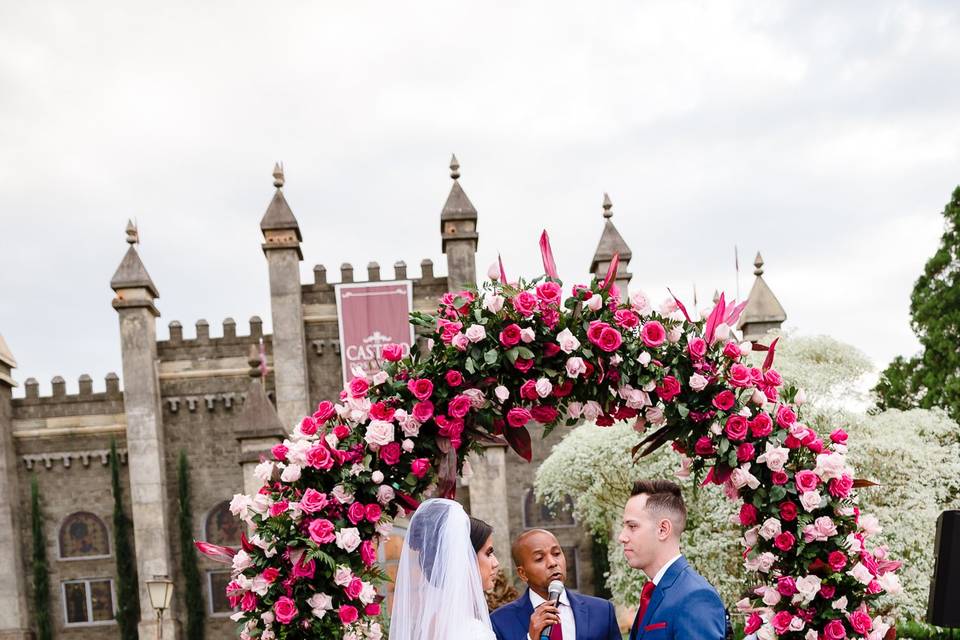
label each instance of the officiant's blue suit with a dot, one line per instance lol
(595, 618)
(683, 605)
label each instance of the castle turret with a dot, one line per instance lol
(763, 312)
(458, 233)
(134, 302)
(611, 243)
(14, 622)
(258, 428)
(281, 246)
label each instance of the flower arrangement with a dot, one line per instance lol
(509, 357)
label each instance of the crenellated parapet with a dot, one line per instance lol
(427, 287)
(202, 338)
(59, 395)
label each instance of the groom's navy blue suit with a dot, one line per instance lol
(683, 605)
(594, 618)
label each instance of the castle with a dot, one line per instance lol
(203, 396)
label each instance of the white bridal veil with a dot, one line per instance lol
(438, 593)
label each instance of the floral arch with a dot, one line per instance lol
(514, 357)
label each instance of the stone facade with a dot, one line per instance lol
(195, 395)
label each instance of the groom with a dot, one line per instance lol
(676, 602)
(539, 560)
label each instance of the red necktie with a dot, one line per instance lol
(645, 595)
(556, 633)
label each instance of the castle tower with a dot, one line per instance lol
(134, 302)
(611, 242)
(763, 312)
(258, 428)
(281, 246)
(458, 233)
(14, 621)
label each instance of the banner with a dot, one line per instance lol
(371, 315)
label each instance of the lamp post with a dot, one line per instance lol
(161, 591)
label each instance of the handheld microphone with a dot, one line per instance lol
(553, 594)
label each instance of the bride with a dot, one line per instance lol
(446, 564)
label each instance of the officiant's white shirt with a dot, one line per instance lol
(567, 624)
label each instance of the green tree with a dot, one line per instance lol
(188, 555)
(41, 573)
(932, 377)
(128, 597)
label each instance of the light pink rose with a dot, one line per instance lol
(770, 529)
(810, 500)
(379, 433)
(320, 603)
(640, 303)
(502, 393)
(385, 494)
(575, 367)
(527, 335)
(567, 341)
(592, 410)
(698, 382)
(348, 539)
(774, 457)
(544, 387)
(475, 333)
(460, 342)
(595, 303)
(493, 304)
(313, 501)
(524, 303)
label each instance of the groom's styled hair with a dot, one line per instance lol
(663, 497)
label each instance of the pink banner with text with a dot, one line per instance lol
(372, 315)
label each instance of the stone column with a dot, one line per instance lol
(14, 619)
(134, 302)
(488, 500)
(281, 246)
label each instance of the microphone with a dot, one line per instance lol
(553, 594)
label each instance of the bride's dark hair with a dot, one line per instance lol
(480, 531)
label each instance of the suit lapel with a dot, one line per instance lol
(581, 614)
(661, 591)
(523, 610)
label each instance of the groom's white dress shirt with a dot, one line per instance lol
(657, 578)
(567, 624)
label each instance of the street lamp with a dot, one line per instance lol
(161, 591)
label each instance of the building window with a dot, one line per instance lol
(83, 535)
(222, 527)
(538, 515)
(217, 582)
(88, 601)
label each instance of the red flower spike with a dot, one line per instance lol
(680, 305)
(549, 265)
(716, 316)
(768, 361)
(215, 552)
(503, 274)
(519, 440)
(611, 272)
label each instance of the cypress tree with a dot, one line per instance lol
(188, 555)
(41, 574)
(128, 597)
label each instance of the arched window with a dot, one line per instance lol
(538, 515)
(83, 535)
(222, 527)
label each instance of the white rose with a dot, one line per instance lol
(644, 358)
(291, 473)
(840, 603)
(377, 476)
(407, 445)
(567, 341)
(770, 529)
(368, 594)
(263, 471)
(808, 587)
(721, 333)
(810, 500)
(342, 576)
(502, 393)
(475, 333)
(380, 377)
(861, 574)
(575, 367)
(320, 603)
(774, 457)
(544, 387)
(890, 583)
(493, 304)
(348, 539)
(341, 495)
(870, 525)
(379, 433)
(595, 303)
(527, 335)
(241, 561)
(668, 306)
(771, 596)
(239, 504)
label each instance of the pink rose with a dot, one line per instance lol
(423, 411)
(724, 400)
(303, 569)
(834, 631)
(359, 387)
(321, 531)
(356, 513)
(772, 379)
(285, 610)
(736, 428)
(459, 406)
(697, 348)
(786, 417)
(784, 541)
(318, 457)
(454, 378)
(279, 452)
(626, 318)
(748, 515)
(510, 335)
(347, 614)
(312, 501)
(373, 512)
(806, 480)
(368, 553)
(325, 411)
(610, 340)
(836, 561)
(524, 303)
(392, 352)
(308, 426)
(761, 426)
(419, 467)
(354, 588)
(421, 388)
(668, 389)
(653, 334)
(575, 366)
(840, 487)
(518, 417)
(249, 601)
(745, 452)
(839, 437)
(739, 376)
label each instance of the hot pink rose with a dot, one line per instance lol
(786, 586)
(510, 336)
(318, 457)
(736, 428)
(459, 406)
(860, 621)
(368, 553)
(754, 622)
(279, 452)
(839, 436)
(304, 569)
(518, 417)
(359, 387)
(834, 631)
(524, 303)
(308, 426)
(610, 340)
(806, 480)
(704, 446)
(748, 514)
(827, 591)
(840, 487)
(724, 400)
(354, 589)
(270, 574)
(732, 350)
(390, 453)
(786, 417)
(454, 378)
(373, 512)
(781, 622)
(837, 560)
(423, 411)
(341, 431)
(419, 467)
(626, 318)
(321, 531)
(392, 352)
(372, 609)
(779, 477)
(745, 452)
(356, 513)
(285, 610)
(697, 348)
(549, 293)
(739, 376)
(761, 426)
(421, 388)
(772, 379)
(325, 411)
(784, 541)
(595, 329)
(249, 601)
(279, 508)
(347, 614)
(653, 334)
(312, 501)
(668, 389)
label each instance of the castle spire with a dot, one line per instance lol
(279, 225)
(131, 275)
(611, 243)
(258, 417)
(458, 233)
(763, 312)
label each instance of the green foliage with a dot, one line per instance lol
(932, 378)
(188, 555)
(128, 597)
(41, 573)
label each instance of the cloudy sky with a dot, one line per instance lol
(823, 134)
